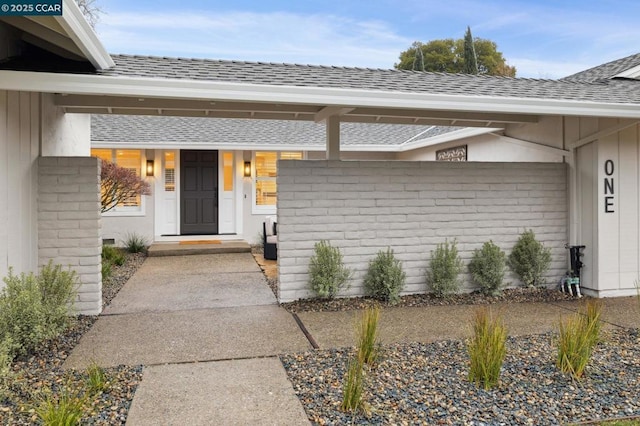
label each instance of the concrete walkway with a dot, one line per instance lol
(208, 330)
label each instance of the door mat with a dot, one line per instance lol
(200, 242)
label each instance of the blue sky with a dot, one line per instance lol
(542, 38)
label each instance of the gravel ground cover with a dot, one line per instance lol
(427, 384)
(42, 371)
(513, 295)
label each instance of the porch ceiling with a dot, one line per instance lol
(125, 105)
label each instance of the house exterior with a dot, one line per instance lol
(245, 201)
(54, 73)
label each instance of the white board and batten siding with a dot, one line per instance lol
(19, 149)
(365, 206)
(612, 164)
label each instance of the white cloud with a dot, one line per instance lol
(277, 37)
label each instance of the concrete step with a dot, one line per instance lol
(198, 247)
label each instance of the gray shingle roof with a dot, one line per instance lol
(141, 130)
(605, 71)
(372, 79)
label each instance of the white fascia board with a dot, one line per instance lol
(79, 30)
(205, 145)
(468, 132)
(630, 73)
(83, 84)
(240, 147)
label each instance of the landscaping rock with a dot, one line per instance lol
(427, 384)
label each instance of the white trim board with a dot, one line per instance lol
(198, 90)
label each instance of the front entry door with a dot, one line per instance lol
(199, 195)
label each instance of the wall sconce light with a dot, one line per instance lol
(247, 169)
(150, 168)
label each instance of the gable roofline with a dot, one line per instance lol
(81, 33)
(607, 71)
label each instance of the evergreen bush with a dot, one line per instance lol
(444, 268)
(327, 272)
(529, 259)
(487, 268)
(6, 373)
(22, 314)
(385, 278)
(35, 308)
(58, 289)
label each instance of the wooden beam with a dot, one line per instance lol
(192, 113)
(449, 115)
(333, 137)
(124, 102)
(330, 111)
(534, 145)
(603, 133)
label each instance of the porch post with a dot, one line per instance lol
(333, 137)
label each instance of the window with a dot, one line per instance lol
(227, 165)
(130, 159)
(266, 171)
(169, 171)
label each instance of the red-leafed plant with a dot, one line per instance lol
(118, 184)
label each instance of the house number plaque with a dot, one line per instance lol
(609, 187)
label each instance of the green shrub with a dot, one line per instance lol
(487, 349)
(577, 338)
(22, 314)
(35, 308)
(113, 254)
(444, 268)
(385, 278)
(327, 273)
(135, 243)
(529, 259)
(6, 374)
(367, 334)
(58, 289)
(487, 268)
(353, 387)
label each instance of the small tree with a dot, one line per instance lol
(470, 65)
(118, 184)
(530, 259)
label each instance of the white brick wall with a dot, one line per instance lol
(365, 206)
(69, 223)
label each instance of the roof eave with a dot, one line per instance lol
(81, 33)
(449, 137)
(82, 84)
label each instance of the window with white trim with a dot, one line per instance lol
(129, 159)
(264, 179)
